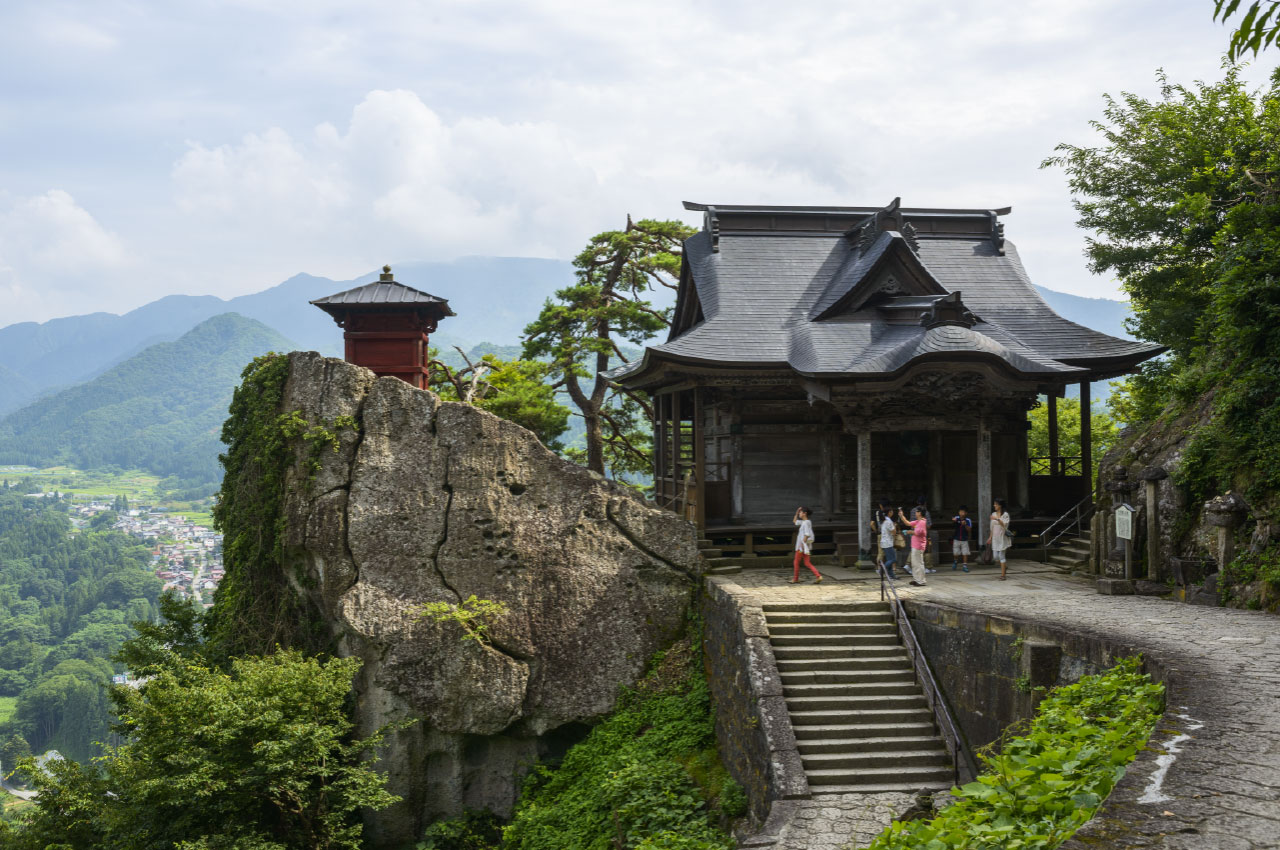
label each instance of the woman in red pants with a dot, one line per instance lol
(804, 543)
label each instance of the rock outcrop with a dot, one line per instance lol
(428, 501)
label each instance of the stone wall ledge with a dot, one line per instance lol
(1210, 775)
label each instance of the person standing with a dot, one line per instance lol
(877, 523)
(921, 509)
(1000, 535)
(804, 544)
(919, 543)
(963, 530)
(887, 551)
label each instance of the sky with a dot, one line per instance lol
(222, 146)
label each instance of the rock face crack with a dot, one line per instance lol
(351, 474)
(641, 545)
(444, 530)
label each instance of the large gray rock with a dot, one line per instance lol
(429, 501)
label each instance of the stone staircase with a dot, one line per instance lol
(1071, 553)
(860, 719)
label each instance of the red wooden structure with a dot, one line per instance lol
(386, 326)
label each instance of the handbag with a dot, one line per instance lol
(899, 542)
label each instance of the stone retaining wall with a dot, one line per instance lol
(753, 728)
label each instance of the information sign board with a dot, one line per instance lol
(1124, 522)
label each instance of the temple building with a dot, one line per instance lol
(834, 356)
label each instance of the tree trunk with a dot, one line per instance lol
(595, 442)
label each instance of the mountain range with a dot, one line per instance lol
(149, 388)
(160, 410)
(494, 298)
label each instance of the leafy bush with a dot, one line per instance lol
(471, 614)
(1042, 786)
(647, 777)
(473, 831)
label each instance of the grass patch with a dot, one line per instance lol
(7, 707)
(1043, 785)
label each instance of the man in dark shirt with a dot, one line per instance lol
(960, 538)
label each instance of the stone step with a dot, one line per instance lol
(843, 665)
(815, 732)
(815, 617)
(849, 678)
(1080, 552)
(902, 776)
(723, 571)
(1065, 561)
(834, 627)
(704, 543)
(904, 686)
(823, 607)
(769, 562)
(880, 638)
(882, 788)
(828, 717)
(900, 743)
(931, 756)
(865, 652)
(853, 704)
(711, 553)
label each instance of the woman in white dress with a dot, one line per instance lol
(1000, 535)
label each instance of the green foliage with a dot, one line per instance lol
(516, 390)
(583, 328)
(1042, 786)
(65, 605)
(473, 831)
(1184, 196)
(159, 410)
(261, 754)
(253, 609)
(1258, 29)
(473, 616)
(647, 776)
(1105, 430)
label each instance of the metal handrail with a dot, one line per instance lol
(932, 693)
(1046, 540)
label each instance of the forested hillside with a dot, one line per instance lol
(160, 410)
(66, 604)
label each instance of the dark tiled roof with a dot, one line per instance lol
(760, 294)
(389, 293)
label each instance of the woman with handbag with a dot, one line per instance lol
(1000, 535)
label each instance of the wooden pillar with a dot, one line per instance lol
(1086, 437)
(826, 459)
(736, 468)
(1053, 435)
(935, 471)
(985, 495)
(699, 460)
(1023, 496)
(864, 493)
(677, 436)
(659, 443)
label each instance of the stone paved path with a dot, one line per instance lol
(1221, 789)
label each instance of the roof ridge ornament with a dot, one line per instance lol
(711, 222)
(948, 310)
(888, 218)
(997, 232)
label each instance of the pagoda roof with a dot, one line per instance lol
(864, 292)
(384, 292)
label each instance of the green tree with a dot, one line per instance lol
(580, 330)
(516, 390)
(15, 749)
(1104, 430)
(1258, 29)
(1184, 196)
(258, 755)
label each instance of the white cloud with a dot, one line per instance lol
(52, 249)
(237, 143)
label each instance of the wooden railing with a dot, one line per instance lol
(961, 760)
(1057, 466)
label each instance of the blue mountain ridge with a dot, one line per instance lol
(494, 298)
